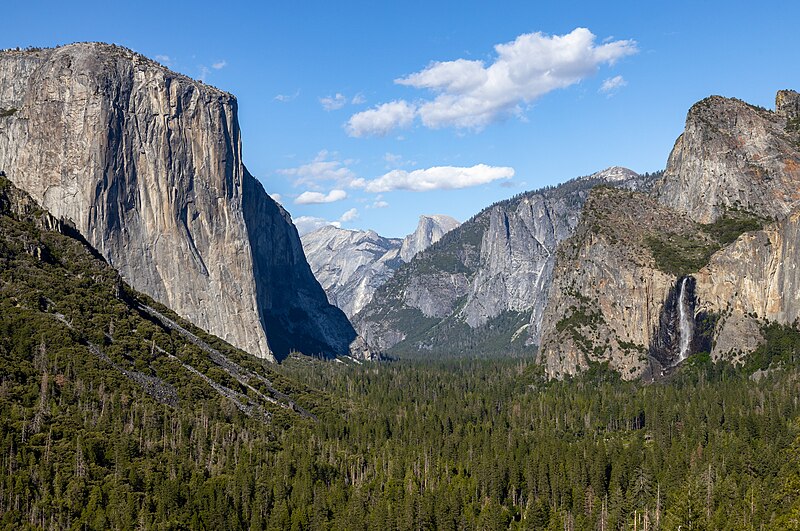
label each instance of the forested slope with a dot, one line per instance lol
(114, 412)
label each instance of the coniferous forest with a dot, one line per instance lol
(115, 417)
(470, 443)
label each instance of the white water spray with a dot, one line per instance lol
(685, 322)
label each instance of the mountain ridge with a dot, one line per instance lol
(350, 264)
(460, 283)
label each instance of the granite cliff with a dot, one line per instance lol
(351, 264)
(612, 280)
(430, 230)
(483, 286)
(735, 155)
(644, 283)
(147, 164)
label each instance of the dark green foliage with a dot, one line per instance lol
(733, 224)
(504, 334)
(482, 443)
(680, 255)
(781, 348)
(578, 318)
(683, 254)
(103, 424)
(7, 112)
(454, 444)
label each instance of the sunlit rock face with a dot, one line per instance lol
(147, 164)
(735, 155)
(491, 275)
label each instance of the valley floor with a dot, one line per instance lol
(410, 444)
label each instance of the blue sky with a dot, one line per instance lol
(369, 114)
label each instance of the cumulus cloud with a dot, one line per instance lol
(470, 94)
(358, 99)
(276, 197)
(323, 168)
(315, 198)
(306, 224)
(613, 84)
(438, 178)
(332, 103)
(350, 215)
(219, 65)
(379, 204)
(381, 120)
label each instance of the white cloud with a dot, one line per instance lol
(164, 60)
(612, 84)
(322, 168)
(438, 178)
(276, 197)
(350, 215)
(358, 99)
(379, 204)
(392, 158)
(332, 103)
(471, 95)
(204, 71)
(306, 224)
(380, 120)
(219, 65)
(285, 98)
(315, 198)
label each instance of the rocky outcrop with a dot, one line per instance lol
(147, 164)
(486, 281)
(430, 230)
(735, 155)
(352, 264)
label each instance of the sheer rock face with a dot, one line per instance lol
(496, 264)
(147, 164)
(351, 264)
(735, 155)
(606, 296)
(610, 302)
(756, 278)
(430, 230)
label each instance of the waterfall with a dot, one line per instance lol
(686, 320)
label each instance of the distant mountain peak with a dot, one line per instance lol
(351, 264)
(429, 230)
(614, 174)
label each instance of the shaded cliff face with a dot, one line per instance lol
(484, 285)
(756, 278)
(642, 285)
(735, 155)
(147, 164)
